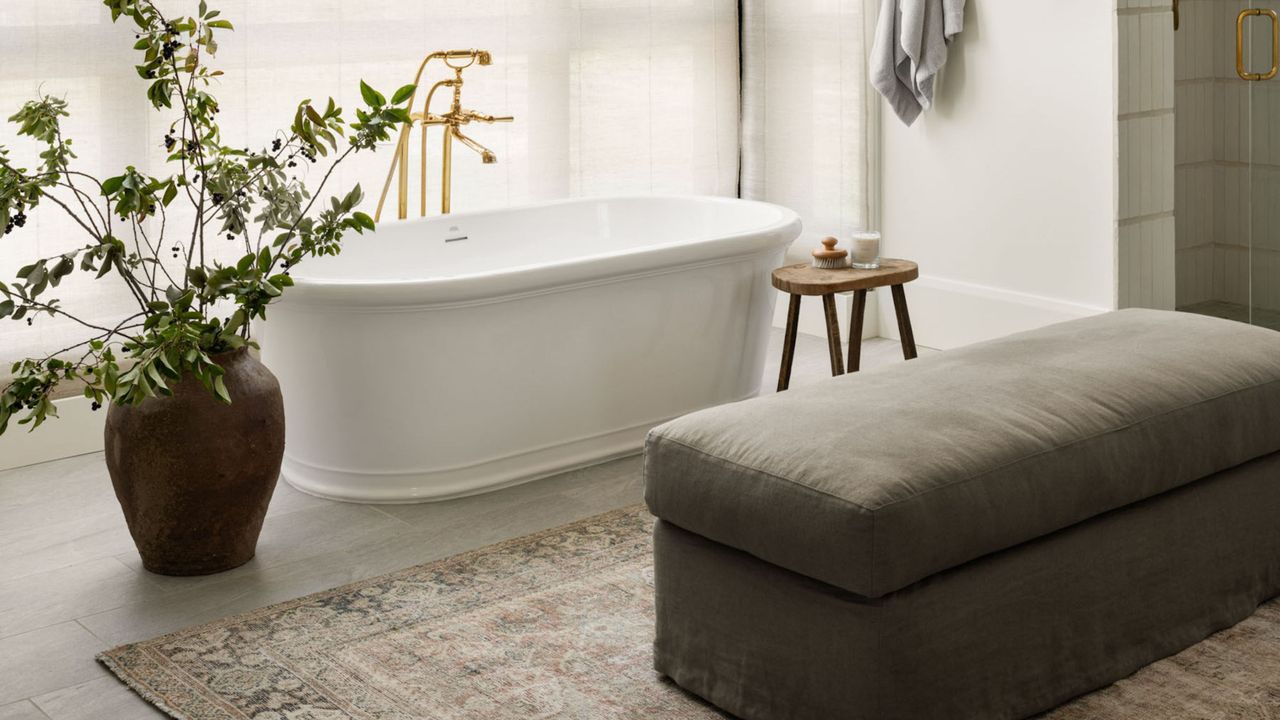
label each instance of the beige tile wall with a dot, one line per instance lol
(1147, 140)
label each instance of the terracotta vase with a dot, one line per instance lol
(194, 475)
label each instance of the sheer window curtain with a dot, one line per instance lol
(810, 132)
(610, 96)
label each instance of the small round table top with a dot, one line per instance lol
(805, 279)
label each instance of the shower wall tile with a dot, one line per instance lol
(1194, 199)
(1231, 274)
(1147, 165)
(1233, 121)
(1264, 228)
(1195, 122)
(1194, 275)
(1147, 264)
(1146, 94)
(1147, 43)
(1232, 211)
(1265, 125)
(1265, 290)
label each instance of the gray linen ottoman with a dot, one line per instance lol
(984, 533)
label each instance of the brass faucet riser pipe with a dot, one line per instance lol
(446, 171)
(402, 201)
(391, 172)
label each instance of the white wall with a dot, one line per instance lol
(1005, 192)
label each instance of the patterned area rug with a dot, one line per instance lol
(554, 625)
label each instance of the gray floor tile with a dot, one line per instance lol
(77, 538)
(286, 538)
(45, 660)
(21, 710)
(105, 698)
(47, 598)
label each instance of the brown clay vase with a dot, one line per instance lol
(193, 474)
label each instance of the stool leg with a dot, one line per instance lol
(904, 323)
(789, 343)
(833, 333)
(854, 362)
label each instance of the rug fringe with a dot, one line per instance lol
(137, 687)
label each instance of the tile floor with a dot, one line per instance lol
(71, 584)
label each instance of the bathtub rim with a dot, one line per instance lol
(522, 280)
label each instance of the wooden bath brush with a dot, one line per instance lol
(829, 257)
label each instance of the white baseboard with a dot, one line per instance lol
(949, 313)
(814, 322)
(77, 430)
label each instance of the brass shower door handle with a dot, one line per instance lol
(1275, 44)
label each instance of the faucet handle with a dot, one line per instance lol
(481, 117)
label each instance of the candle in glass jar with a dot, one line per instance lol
(865, 249)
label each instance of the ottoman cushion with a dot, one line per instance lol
(873, 481)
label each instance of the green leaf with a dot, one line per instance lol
(403, 94)
(156, 377)
(371, 96)
(234, 322)
(220, 389)
(224, 24)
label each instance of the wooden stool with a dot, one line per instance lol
(804, 279)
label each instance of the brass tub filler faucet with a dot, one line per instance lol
(451, 121)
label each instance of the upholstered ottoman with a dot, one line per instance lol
(984, 533)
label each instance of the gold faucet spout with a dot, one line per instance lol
(486, 155)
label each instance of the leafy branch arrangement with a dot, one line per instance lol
(188, 309)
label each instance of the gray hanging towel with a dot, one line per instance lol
(910, 48)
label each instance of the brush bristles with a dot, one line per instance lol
(831, 263)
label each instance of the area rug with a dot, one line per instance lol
(554, 625)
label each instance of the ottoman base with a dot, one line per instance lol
(1005, 636)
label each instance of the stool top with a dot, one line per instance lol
(805, 279)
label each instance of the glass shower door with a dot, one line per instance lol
(1257, 68)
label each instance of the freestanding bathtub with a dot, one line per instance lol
(442, 357)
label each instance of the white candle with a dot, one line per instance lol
(866, 250)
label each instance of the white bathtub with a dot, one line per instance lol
(447, 356)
